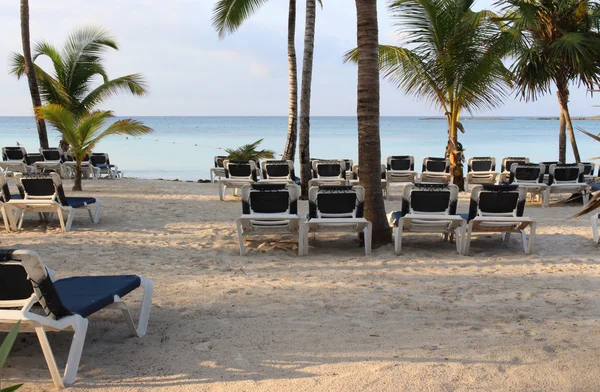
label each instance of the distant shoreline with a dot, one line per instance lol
(595, 118)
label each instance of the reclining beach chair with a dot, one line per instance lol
(5, 197)
(401, 168)
(237, 174)
(355, 180)
(270, 209)
(65, 304)
(429, 208)
(328, 172)
(44, 194)
(499, 209)
(566, 179)
(507, 164)
(588, 171)
(436, 170)
(218, 171)
(101, 161)
(87, 169)
(14, 160)
(278, 171)
(349, 164)
(481, 170)
(53, 159)
(337, 208)
(529, 176)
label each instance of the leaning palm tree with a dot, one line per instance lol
(29, 70)
(71, 84)
(369, 141)
(84, 132)
(554, 42)
(228, 16)
(249, 152)
(450, 56)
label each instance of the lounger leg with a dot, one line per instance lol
(368, 230)
(70, 216)
(96, 217)
(240, 232)
(306, 235)
(459, 238)
(546, 198)
(50, 361)
(398, 239)
(595, 227)
(528, 242)
(221, 191)
(5, 219)
(148, 286)
(301, 239)
(506, 236)
(80, 328)
(467, 239)
(585, 196)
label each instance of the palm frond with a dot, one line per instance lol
(228, 15)
(134, 84)
(62, 119)
(249, 152)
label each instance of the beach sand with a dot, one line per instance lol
(335, 320)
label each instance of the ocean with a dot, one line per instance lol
(184, 147)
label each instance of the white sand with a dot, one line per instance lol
(334, 320)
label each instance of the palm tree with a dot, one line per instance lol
(249, 152)
(75, 68)
(554, 41)
(84, 132)
(228, 16)
(451, 56)
(34, 89)
(307, 67)
(369, 142)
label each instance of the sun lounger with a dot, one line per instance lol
(270, 209)
(44, 194)
(66, 304)
(101, 161)
(53, 160)
(529, 176)
(507, 164)
(355, 180)
(87, 169)
(588, 172)
(218, 171)
(237, 174)
(401, 168)
(436, 170)
(481, 170)
(328, 172)
(337, 208)
(428, 208)
(499, 209)
(14, 160)
(278, 171)
(5, 197)
(566, 179)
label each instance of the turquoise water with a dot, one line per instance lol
(183, 147)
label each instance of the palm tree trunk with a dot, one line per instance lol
(454, 152)
(34, 89)
(563, 100)
(307, 68)
(562, 137)
(290, 145)
(369, 142)
(78, 175)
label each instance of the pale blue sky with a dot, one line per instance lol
(192, 72)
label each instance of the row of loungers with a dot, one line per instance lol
(17, 160)
(431, 208)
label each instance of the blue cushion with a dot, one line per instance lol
(85, 295)
(77, 202)
(464, 216)
(595, 186)
(395, 219)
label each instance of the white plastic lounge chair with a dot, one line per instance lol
(429, 208)
(595, 218)
(53, 160)
(218, 171)
(481, 170)
(529, 176)
(5, 197)
(566, 179)
(66, 304)
(401, 168)
(87, 169)
(588, 172)
(499, 209)
(337, 208)
(436, 170)
(101, 161)
(355, 180)
(270, 209)
(348, 165)
(44, 194)
(281, 171)
(237, 174)
(507, 163)
(14, 160)
(328, 172)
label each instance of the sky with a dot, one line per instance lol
(191, 72)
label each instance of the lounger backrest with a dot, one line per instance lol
(548, 164)
(277, 169)
(22, 275)
(70, 158)
(30, 159)
(481, 164)
(434, 199)
(336, 202)
(348, 164)
(564, 174)
(99, 158)
(52, 154)
(42, 187)
(401, 163)
(527, 173)
(240, 170)
(13, 154)
(509, 161)
(219, 159)
(356, 167)
(436, 165)
(270, 199)
(588, 168)
(497, 200)
(4, 191)
(329, 168)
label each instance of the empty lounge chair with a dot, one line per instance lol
(53, 161)
(401, 168)
(5, 197)
(44, 194)
(101, 161)
(481, 170)
(529, 176)
(328, 172)
(237, 174)
(66, 304)
(14, 160)
(436, 170)
(499, 209)
(337, 208)
(566, 179)
(588, 171)
(218, 171)
(87, 169)
(355, 180)
(278, 171)
(429, 208)
(270, 209)
(507, 164)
